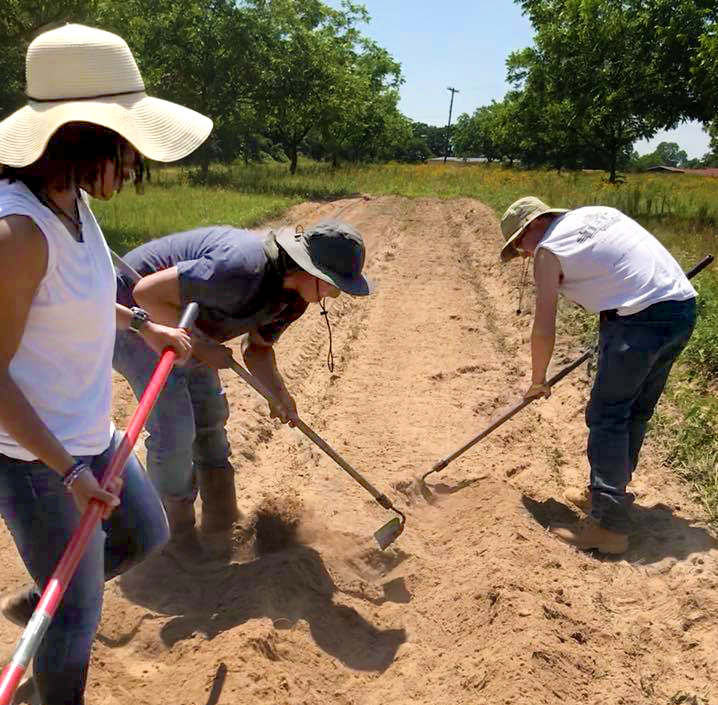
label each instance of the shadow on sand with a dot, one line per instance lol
(286, 587)
(657, 533)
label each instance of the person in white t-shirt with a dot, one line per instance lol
(610, 265)
(87, 121)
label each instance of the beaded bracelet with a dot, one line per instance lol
(73, 473)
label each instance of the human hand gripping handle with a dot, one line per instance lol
(283, 408)
(96, 508)
(159, 337)
(84, 487)
(538, 389)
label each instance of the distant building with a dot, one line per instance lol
(459, 160)
(709, 171)
(669, 169)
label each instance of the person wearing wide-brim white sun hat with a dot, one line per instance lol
(86, 123)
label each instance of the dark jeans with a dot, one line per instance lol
(636, 354)
(41, 517)
(186, 429)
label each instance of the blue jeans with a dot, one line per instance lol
(41, 517)
(187, 425)
(636, 354)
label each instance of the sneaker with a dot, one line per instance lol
(19, 606)
(589, 535)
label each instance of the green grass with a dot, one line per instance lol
(681, 210)
(129, 220)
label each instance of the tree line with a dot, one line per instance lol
(601, 75)
(284, 77)
(276, 76)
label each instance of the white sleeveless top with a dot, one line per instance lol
(63, 364)
(609, 261)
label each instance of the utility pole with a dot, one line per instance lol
(448, 126)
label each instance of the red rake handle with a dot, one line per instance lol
(60, 579)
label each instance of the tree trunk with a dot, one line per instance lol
(614, 159)
(205, 166)
(292, 158)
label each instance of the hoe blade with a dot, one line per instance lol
(388, 533)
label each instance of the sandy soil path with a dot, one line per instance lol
(475, 604)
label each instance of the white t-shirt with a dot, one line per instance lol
(610, 262)
(63, 364)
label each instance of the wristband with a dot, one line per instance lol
(140, 318)
(73, 473)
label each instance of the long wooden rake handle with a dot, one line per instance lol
(441, 464)
(60, 579)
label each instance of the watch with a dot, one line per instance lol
(139, 319)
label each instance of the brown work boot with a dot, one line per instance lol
(589, 535)
(18, 606)
(581, 499)
(184, 543)
(219, 509)
(219, 498)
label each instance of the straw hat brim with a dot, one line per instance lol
(508, 251)
(158, 129)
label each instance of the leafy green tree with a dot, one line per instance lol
(303, 52)
(362, 119)
(619, 70)
(20, 21)
(433, 136)
(670, 154)
(197, 53)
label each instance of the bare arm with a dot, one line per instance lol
(259, 357)
(547, 276)
(159, 295)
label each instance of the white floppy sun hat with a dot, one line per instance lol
(82, 74)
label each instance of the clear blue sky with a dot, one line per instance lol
(464, 44)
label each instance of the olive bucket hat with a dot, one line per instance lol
(330, 250)
(517, 217)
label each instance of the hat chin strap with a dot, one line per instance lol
(325, 313)
(523, 283)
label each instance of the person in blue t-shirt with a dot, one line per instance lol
(246, 284)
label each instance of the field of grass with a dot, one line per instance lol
(681, 210)
(129, 220)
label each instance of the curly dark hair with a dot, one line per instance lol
(74, 155)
